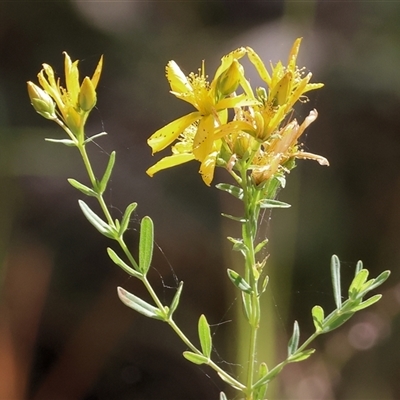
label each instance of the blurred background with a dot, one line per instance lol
(63, 332)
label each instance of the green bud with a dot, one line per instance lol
(87, 95)
(41, 101)
(229, 80)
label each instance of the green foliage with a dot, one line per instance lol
(146, 244)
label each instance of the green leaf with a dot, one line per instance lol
(67, 142)
(237, 219)
(340, 319)
(294, 340)
(126, 218)
(367, 303)
(230, 381)
(379, 280)
(247, 306)
(146, 244)
(260, 246)
(195, 358)
(139, 305)
(359, 267)
(205, 336)
(269, 203)
(97, 222)
(106, 177)
(271, 375)
(82, 188)
(335, 274)
(118, 261)
(261, 391)
(357, 283)
(317, 313)
(239, 282)
(175, 300)
(88, 140)
(264, 284)
(238, 245)
(235, 191)
(303, 355)
(222, 396)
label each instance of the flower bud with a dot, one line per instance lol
(229, 80)
(87, 95)
(41, 101)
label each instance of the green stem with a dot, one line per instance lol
(146, 283)
(249, 232)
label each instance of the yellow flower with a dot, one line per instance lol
(275, 154)
(76, 100)
(182, 152)
(211, 101)
(286, 85)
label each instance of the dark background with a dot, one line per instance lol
(63, 332)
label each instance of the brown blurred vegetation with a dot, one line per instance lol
(63, 332)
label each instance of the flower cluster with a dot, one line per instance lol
(259, 134)
(71, 105)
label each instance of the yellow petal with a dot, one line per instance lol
(310, 156)
(168, 162)
(177, 79)
(97, 73)
(226, 61)
(203, 139)
(293, 54)
(71, 78)
(208, 166)
(160, 139)
(260, 67)
(237, 101)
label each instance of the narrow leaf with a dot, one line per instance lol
(317, 313)
(117, 260)
(246, 300)
(294, 340)
(67, 142)
(97, 135)
(303, 355)
(222, 396)
(235, 191)
(238, 245)
(261, 391)
(339, 320)
(126, 218)
(264, 284)
(379, 280)
(138, 304)
(195, 358)
(260, 246)
(146, 244)
(230, 381)
(175, 300)
(359, 267)
(237, 219)
(239, 282)
(357, 283)
(269, 203)
(106, 177)
(205, 336)
(367, 303)
(82, 188)
(335, 274)
(96, 221)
